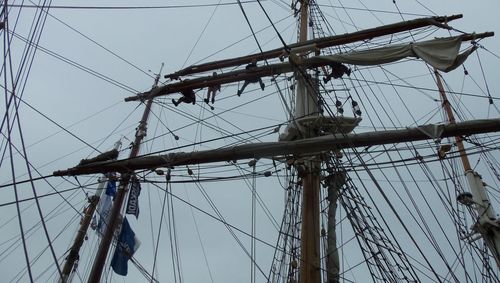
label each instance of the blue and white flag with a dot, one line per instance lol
(125, 248)
(133, 198)
(105, 206)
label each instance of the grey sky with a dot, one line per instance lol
(93, 109)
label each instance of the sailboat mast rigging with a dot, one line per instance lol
(102, 252)
(487, 224)
(353, 187)
(303, 147)
(356, 58)
(307, 106)
(311, 45)
(74, 253)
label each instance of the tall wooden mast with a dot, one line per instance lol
(306, 106)
(74, 252)
(487, 224)
(102, 252)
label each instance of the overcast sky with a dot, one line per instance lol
(89, 60)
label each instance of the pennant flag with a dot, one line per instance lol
(133, 198)
(105, 206)
(125, 248)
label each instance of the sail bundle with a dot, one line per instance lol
(441, 53)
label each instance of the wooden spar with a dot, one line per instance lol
(278, 149)
(241, 75)
(319, 43)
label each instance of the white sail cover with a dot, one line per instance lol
(442, 54)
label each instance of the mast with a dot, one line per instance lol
(102, 252)
(306, 105)
(334, 183)
(487, 222)
(74, 253)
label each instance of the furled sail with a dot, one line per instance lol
(441, 53)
